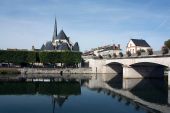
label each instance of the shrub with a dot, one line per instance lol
(109, 56)
(114, 55)
(138, 53)
(128, 53)
(149, 51)
(142, 50)
(100, 57)
(165, 50)
(120, 54)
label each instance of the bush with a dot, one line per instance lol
(138, 53)
(165, 50)
(60, 57)
(128, 53)
(142, 50)
(149, 51)
(100, 57)
(114, 55)
(17, 57)
(109, 56)
(120, 54)
(27, 57)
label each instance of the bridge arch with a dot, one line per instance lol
(116, 67)
(148, 69)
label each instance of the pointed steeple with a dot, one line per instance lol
(55, 30)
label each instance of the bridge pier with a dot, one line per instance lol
(129, 72)
(130, 83)
(143, 71)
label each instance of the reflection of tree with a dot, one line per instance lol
(60, 90)
(52, 88)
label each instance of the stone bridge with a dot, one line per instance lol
(133, 67)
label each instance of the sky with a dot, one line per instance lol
(91, 23)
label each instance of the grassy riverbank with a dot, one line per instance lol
(9, 71)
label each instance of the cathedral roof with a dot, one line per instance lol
(49, 46)
(43, 47)
(63, 46)
(76, 47)
(62, 35)
(55, 30)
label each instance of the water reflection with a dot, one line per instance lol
(150, 92)
(87, 95)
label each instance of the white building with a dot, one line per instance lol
(137, 44)
(104, 50)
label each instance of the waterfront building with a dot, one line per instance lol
(60, 41)
(137, 44)
(104, 50)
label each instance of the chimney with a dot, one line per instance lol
(114, 47)
(118, 46)
(33, 48)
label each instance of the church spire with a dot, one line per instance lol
(55, 30)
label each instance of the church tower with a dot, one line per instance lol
(55, 32)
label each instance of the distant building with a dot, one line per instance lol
(60, 42)
(104, 50)
(137, 44)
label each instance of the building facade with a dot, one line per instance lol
(104, 50)
(135, 45)
(60, 41)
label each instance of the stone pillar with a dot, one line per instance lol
(129, 72)
(130, 83)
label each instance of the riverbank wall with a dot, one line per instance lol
(55, 70)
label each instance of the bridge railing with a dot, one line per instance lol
(143, 55)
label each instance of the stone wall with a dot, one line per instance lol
(55, 70)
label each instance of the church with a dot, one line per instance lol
(60, 41)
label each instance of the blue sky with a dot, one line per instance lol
(92, 23)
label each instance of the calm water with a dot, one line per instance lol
(99, 94)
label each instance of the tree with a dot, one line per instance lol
(138, 53)
(150, 51)
(114, 55)
(167, 43)
(165, 50)
(120, 54)
(128, 53)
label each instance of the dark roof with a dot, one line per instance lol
(62, 35)
(140, 42)
(49, 46)
(55, 30)
(43, 47)
(76, 47)
(63, 46)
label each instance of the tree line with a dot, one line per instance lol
(28, 57)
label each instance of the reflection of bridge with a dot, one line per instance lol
(136, 67)
(132, 89)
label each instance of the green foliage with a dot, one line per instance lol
(60, 57)
(150, 51)
(21, 57)
(165, 50)
(138, 53)
(128, 53)
(114, 55)
(120, 54)
(17, 57)
(100, 57)
(167, 43)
